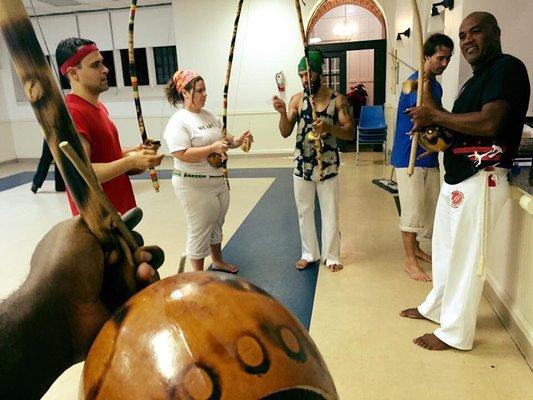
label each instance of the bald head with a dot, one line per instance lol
(484, 18)
(479, 38)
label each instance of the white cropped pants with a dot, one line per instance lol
(328, 197)
(205, 202)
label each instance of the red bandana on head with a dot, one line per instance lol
(75, 59)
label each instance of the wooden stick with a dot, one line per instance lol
(226, 88)
(419, 91)
(135, 88)
(318, 138)
(89, 178)
(395, 57)
(49, 107)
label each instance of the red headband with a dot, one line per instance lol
(77, 57)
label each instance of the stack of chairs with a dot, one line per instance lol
(372, 129)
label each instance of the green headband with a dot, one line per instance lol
(315, 62)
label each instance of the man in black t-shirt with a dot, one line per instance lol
(487, 117)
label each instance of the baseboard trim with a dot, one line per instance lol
(11, 161)
(509, 320)
(262, 153)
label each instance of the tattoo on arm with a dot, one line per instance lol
(346, 108)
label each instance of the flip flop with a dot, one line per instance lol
(214, 268)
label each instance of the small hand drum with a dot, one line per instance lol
(203, 335)
(215, 160)
(435, 138)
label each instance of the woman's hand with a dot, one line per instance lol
(220, 147)
(246, 137)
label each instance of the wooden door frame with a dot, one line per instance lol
(380, 61)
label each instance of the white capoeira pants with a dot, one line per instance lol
(205, 202)
(466, 215)
(328, 198)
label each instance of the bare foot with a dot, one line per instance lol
(412, 313)
(301, 264)
(335, 267)
(431, 342)
(422, 255)
(415, 272)
(225, 267)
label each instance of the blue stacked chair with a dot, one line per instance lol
(372, 129)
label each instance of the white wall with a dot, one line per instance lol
(510, 273)
(515, 18)
(7, 146)
(22, 137)
(268, 42)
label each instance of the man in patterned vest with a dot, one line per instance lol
(318, 112)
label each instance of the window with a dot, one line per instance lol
(331, 72)
(109, 62)
(140, 65)
(166, 63)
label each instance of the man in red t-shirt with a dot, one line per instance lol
(82, 64)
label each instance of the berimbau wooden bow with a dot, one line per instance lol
(49, 107)
(419, 90)
(226, 88)
(317, 140)
(135, 88)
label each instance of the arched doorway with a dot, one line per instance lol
(327, 5)
(352, 35)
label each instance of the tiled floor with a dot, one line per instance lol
(355, 321)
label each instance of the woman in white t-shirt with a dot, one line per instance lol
(192, 134)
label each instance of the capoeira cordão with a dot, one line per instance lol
(487, 117)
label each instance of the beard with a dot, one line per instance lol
(315, 87)
(100, 88)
